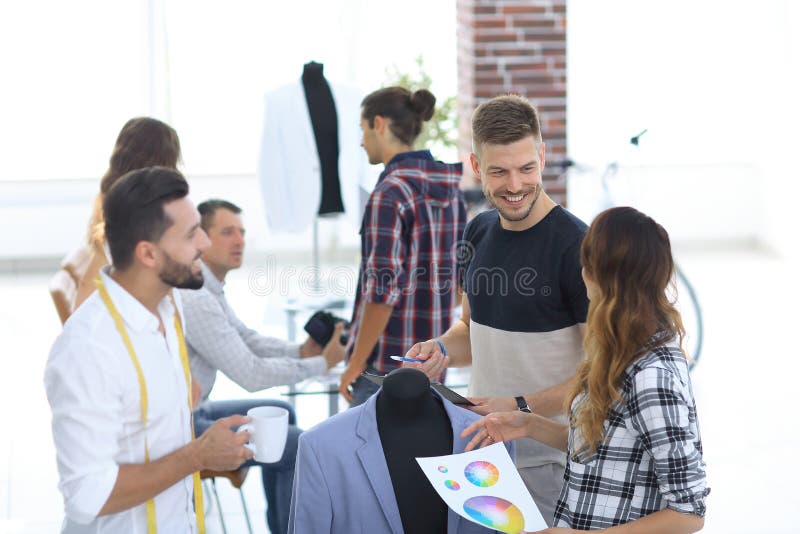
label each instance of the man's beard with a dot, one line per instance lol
(179, 275)
(536, 191)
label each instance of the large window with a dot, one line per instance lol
(74, 72)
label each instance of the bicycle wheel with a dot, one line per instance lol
(688, 305)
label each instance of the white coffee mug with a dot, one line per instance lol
(268, 430)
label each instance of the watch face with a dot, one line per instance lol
(522, 405)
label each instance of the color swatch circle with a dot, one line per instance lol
(495, 513)
(452, 484)
(482, 474)
(442, 469)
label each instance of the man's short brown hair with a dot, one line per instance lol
(208, 208)
(504, 120)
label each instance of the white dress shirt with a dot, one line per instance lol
(93, 390)
(218, 340)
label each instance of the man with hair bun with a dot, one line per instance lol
(407, 286)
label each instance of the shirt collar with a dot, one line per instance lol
(210, 281)
(414, 154)
(403, 156)
(133, 312)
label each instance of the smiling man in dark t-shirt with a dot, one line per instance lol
(524, 313)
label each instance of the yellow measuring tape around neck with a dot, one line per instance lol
(150, 506)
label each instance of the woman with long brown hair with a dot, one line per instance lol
(142, 142)
(634, 454)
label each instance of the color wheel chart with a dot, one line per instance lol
(484, 487)
(495, 513)
(482, 474)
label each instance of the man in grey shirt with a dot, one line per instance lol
(218, 340)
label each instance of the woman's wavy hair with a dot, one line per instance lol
(142, 142)
(627, 255)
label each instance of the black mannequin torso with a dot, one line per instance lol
(322, 110)
(412, 422)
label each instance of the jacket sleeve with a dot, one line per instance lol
(311, 510)
(264, 346)
(215, 339)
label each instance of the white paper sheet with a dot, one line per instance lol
(484, 486)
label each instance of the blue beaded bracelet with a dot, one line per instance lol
(441, 346)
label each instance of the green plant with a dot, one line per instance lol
(441, 132)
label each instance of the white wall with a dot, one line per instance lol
(778, 143)
(46, 219)
(715, 83)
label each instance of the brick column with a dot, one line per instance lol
(516, 46)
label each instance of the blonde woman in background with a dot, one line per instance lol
(142, 142)
(634, 456)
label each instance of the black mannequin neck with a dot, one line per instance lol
(405, 397)
(313, 72)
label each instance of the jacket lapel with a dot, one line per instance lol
(301, 105)
(459, 420)
(370, 453)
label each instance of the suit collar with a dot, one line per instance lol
(459, 419)
(211, 282)
(306, 125)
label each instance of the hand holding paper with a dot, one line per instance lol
(497, 427)
(484, 486)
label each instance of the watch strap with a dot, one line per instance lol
(522, 405)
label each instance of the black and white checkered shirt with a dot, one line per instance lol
(652, 457)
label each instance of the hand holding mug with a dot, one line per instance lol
(267, 432)
(222, 449)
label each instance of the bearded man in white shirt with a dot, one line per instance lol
(219, 341)
(118, 378)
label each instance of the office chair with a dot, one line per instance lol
(63, 285)
(237, 480)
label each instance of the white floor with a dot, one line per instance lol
(745, 383)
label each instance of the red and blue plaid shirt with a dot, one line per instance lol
(412, 224)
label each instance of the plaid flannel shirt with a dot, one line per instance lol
(412, 223)
(652, 457)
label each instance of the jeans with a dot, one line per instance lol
(276, 477)
(362, 390)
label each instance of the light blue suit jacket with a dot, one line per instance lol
(342, 483)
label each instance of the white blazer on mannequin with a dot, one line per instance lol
(289, 168)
